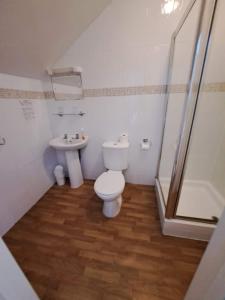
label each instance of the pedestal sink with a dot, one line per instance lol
(72, 157)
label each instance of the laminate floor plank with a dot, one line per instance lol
(70, 251)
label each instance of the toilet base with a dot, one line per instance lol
(112, 208)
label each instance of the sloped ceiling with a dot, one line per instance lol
(35, 33)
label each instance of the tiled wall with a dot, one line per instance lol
(124, 56)
(26, 162)
(126, 46)
(108, 117)
(207, 159)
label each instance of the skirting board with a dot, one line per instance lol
(182, 228)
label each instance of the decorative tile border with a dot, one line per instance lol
(20, 94)
(149, 90)
(214, 87)
(125, 91)
(177, 88)
(49, 95)
(62, 97)
(109, 92)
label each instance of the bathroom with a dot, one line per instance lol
(143, 121)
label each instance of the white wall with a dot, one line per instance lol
(218, 173)
(25, 161)
(206, 159)
(215, 70)
(106, 119)
(127, 45)
(13, 283)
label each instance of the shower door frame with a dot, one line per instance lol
(203, 34)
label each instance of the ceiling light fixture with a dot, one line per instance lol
(169, 6)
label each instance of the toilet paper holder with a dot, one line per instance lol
(145, 144)
(2, 141)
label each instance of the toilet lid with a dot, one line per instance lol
(110, 183)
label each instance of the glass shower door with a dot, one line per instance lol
(202, 194)
(182, 52)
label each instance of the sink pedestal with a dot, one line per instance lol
(71, 148)
(74, 168)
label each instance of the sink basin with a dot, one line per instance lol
(60, 143)
(71, 147)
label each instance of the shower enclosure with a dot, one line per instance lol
(190, 183)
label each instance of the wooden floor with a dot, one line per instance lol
(68, 250)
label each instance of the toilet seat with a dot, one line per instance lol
(110, 184)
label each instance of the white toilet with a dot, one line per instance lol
(110, 185)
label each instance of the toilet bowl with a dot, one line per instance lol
(109, 187)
